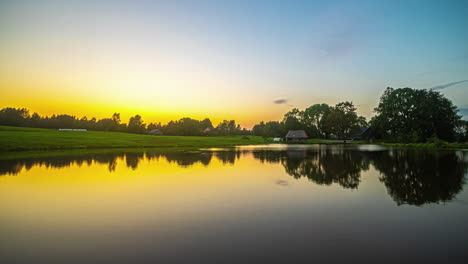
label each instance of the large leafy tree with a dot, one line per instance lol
(411, 115)
(314, 119)
(293, 120)
(343, 120)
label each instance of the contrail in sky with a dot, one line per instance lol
(443, 86)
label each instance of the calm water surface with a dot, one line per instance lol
(256, 204)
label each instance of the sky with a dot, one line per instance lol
(243, 60)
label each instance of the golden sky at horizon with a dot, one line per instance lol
(222, 60)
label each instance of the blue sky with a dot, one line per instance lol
(230, 58)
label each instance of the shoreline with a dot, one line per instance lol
(21, 139)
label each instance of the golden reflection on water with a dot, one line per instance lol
(161, 203)
(157, 188)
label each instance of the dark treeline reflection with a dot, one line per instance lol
(323, 166)
(420, 177)
(410, 176)
(132, 160)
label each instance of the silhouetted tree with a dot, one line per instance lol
(342, 120)
(14, 116)
(314, 118)
(293, 120)
(228, 128)
(136, 125)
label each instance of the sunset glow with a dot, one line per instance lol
(171, 59)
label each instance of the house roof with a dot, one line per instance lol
(296, 134)
(155, 131)
(361, 131)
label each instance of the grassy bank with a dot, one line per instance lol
(22, 138)
(444, 145)
(436, 144)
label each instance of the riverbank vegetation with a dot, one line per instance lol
(21, 117)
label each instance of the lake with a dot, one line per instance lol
(250, 204)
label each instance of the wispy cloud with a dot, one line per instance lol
(281, 101)
(443, 86)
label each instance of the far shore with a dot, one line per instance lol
(37, 139)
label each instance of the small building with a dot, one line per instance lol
(363, 133)
(155, 132)
(276, 139)
(208, 129)
(72, 129)
(296, 136)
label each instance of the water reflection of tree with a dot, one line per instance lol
(132, 160)
(187, 159)
(411, 177)
(322, 166)
(326, 167)
(420, 177)
(228, 157)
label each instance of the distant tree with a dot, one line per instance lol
(228, 128)
(342, 120)
(274, 129)
(64, 121)
(205, 123)
(35, 120)
(293, 120)
(91, 123)
(185, 127)
(136, 125)
(314, 120)
(189, 127)
(14, 116)
(258, 129)
(106, 124)
(116, 118)
(152, 126)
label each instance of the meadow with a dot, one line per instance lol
(23, 138)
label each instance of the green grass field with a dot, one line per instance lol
(22, 138)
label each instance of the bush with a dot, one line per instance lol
(437, 142)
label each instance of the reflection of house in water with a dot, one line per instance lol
(297, 154)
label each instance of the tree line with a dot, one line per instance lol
(318, 121)
(403, 115)
(184, 127)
